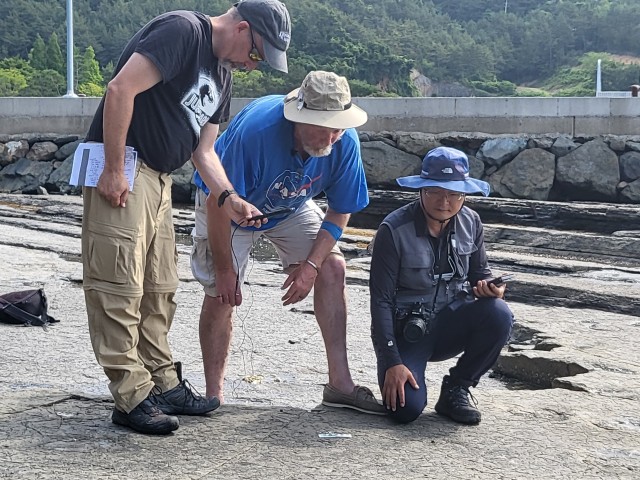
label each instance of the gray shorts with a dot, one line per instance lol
(293, 238)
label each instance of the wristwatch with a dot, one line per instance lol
(223, 196)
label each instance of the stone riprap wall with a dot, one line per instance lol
(537, 167)
(38, 163)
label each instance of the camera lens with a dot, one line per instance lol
(414, 329)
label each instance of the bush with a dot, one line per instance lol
(577, 91)
(497, 88)
(11, 82)
(531, 92)
(45, 83)
(360, 88)
(91, 89)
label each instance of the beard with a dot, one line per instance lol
(318, 152)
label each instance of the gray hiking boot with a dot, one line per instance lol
(146, 418)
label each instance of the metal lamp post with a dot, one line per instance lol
(70, 93)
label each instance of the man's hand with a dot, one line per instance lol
(393, 389)
(113, 186)
(485, 289)
(240, 211)
(299, 282)
(138, 75)
(228, 288)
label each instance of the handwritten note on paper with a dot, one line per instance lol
(88, 164)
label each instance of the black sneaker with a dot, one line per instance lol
(184, 400)
(454, 403)
(146, 418)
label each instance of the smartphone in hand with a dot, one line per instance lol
(502, 279)
(273, 213)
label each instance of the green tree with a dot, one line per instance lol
(89, 69)
(256, 84)
(12, 81)
(17, 63)
(107, 71)
(360, 88)
(91, 89)
(376, 42)
(38, 54)
(15, 76)
(21, 19)
(54, 55)
(45, 83)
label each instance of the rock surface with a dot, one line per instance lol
(563, 400)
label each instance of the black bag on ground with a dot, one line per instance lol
(28, 307)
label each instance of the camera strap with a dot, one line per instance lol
(437, 260)
(435, 296)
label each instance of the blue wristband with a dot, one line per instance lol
(334, 230)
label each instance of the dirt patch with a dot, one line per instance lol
(626, 59)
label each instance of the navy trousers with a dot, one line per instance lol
(478, 330)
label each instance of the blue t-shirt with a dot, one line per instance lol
(258, 154)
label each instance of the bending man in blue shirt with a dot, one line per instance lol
(279, 152)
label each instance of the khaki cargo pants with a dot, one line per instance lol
(130, 277)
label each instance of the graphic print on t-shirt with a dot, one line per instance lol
(201, 101)
(289, 189)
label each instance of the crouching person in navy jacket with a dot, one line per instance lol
(431, 298)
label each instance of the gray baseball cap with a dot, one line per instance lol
(270, 19)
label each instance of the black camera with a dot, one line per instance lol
(414, 321)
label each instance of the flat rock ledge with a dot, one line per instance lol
(562, 401)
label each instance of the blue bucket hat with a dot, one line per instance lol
(446, 168)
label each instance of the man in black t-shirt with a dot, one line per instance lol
(170, 91)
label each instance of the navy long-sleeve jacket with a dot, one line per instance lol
(402, 265)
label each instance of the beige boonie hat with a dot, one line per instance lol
(323, 99)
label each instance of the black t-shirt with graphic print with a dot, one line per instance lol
(195, 89)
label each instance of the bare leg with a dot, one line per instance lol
(215, 338)
(330, 306)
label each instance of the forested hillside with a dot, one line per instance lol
(484, 47)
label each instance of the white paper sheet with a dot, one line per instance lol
(88, 164)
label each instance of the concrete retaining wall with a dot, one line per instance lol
(574, 116)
